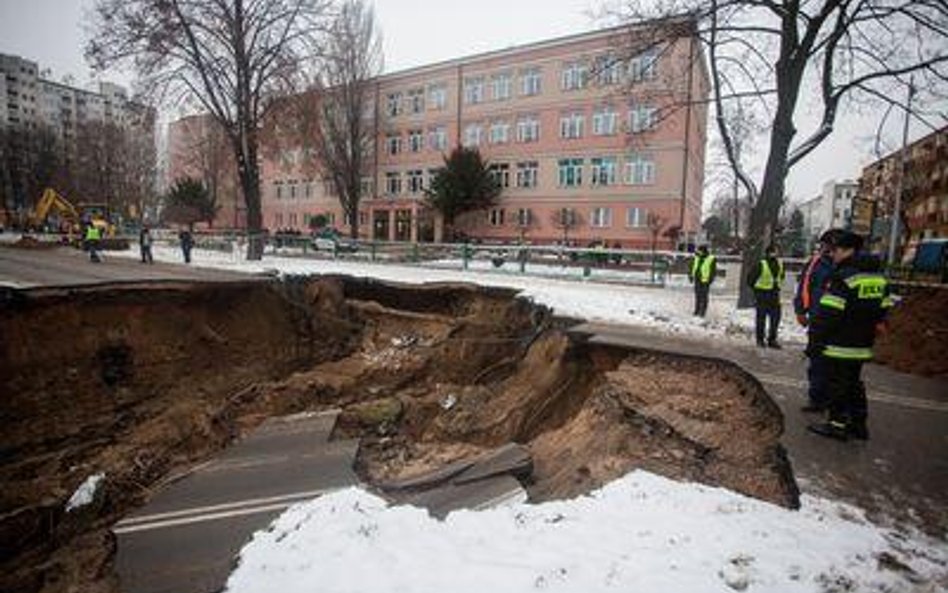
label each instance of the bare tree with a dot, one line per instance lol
(204, 152)
(771, 56)
(566, 219)
(335, 121)
(235, 57)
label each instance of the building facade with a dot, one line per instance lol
(833, 208)
(924, 184)
(620, 143)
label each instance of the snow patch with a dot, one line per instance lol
(85, 493)
(640, 533)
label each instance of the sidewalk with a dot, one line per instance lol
(900, 474)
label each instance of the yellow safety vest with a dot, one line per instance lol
(93, 233)
(766, 279)
(702, 273)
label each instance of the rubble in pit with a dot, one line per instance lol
(153, 380)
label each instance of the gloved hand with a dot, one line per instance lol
(802, 320)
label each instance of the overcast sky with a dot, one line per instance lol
(416, 32)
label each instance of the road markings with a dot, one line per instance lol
(215, 512)
(876, 396)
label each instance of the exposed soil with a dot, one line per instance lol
(140, 383)
(916, 340)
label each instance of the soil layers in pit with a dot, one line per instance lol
(144, 382)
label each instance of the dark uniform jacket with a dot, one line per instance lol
(812, 283)
(856, 301)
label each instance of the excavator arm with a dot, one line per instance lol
(50, 201)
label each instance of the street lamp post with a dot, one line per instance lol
(897, 209)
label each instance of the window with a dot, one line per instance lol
(499, 132)
(501, 174)
(474, 90)
(279, 189)
(636, 217)
(366, 186)
(416, 181)
(416, 140)
(605, 121)
(571, 125)
(608, 70)
(501, 85)
(528, 129)
(530, 82)
(603, 171)
(640, 170)
(496, 217)
(600, 217)
(394, 104)
(570, 172)
(293, 219)
(416, 100)
(437, 96)
(524, 217)
(393, 144)
(641, 118)
(644, 66)
(527, 174)
(393, 183)
(472, 135)
(292, 190)
(574, 76)
(438, 138)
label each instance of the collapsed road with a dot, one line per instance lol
(144, 381)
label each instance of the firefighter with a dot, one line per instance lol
(843, 330)
(766, 280)
(812, 282)
(703, 269)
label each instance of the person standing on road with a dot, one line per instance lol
(144, 243)
(810, 286)
(703, 268)
(843, 331)
(766, 280)
(187, 243)
(93, 236)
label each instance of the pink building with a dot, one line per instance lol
(566, 123)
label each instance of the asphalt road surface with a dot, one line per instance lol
(900, 474)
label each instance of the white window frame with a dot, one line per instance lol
(495, 217)
(416, 100)
(527, 174)
(473, 135)
(474, 90)
(531, 82)
(393, 144)
(640, 170)
(437, 96)
(574, 76)
(393, 183)
(603, 171)
(528, 129)
(499, 132)
(642, 117)
(524, 217)
(636, 217)
(570, 172)
(438, 138)
(600, 217)
(416, 181)
(501, 174)
(501, 86)
(644, 66)
(571, 125)
(605, 122)
(608, 70)
(393, 105)
(416, 140)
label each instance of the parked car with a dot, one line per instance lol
(333, 240)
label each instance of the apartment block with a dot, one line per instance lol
(833, 208)
(569, 123)
(20, 92)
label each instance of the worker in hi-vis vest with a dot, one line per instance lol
(843, 331)
(766, 279)
(703, 269)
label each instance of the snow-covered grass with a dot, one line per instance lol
(85, 493)
(641, 533)
(665, 309)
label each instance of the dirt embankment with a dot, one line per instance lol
(916, 340)
(139, 383)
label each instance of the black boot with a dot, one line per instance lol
(812, 408)
(859, 431)
(831, 429)
(773, 344)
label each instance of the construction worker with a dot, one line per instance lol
(843, 330)
(93, 236)
(813, 280)
(144, 244)
(766, 279)
(703, 268)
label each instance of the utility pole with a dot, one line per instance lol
(895, 215)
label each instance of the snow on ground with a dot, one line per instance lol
(85, 493)
(665, 309)
(641, 533)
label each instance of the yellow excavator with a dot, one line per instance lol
(52, 202)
